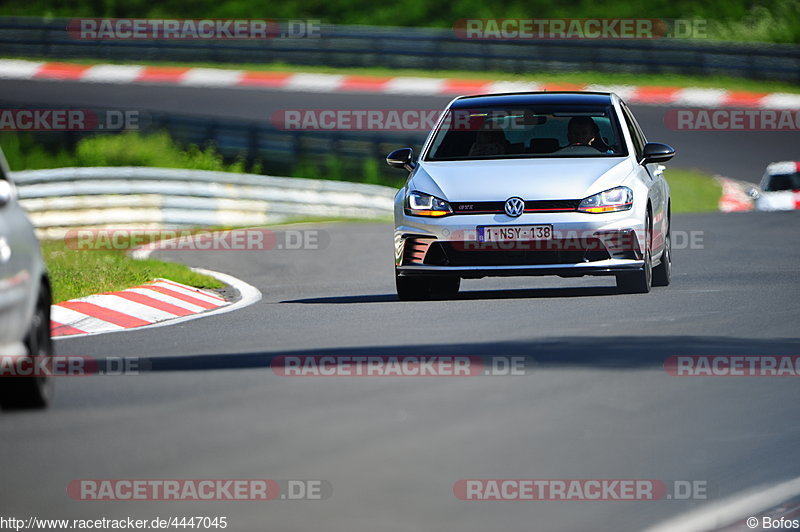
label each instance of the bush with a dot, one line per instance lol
(25, 152)
(133, 149)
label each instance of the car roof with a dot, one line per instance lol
(539, 98)
(783, 167)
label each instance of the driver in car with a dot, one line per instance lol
(584, 137)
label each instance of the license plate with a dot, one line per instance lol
(505, 233)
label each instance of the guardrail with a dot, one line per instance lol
(421, 48)
(60, 199)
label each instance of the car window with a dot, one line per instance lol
(780, 182)
(635, 131)
(527, 132)
(636, 125)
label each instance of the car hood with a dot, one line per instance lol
(530, 179)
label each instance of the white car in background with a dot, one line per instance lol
(779, 189)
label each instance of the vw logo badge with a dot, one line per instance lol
(514, 207)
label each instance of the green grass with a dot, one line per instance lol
(693, 191)
(580, 78)
(75, 273)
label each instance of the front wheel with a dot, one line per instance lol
(640, 281)
(662, 274)
(36, 391)
(446, 286)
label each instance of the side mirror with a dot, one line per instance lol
(6, 192)
(655, 152)
(402, 158)
(754, 192)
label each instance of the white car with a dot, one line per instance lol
(24, 304)
(779, 189)
(555, 183)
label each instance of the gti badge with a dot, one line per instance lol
(514, 207)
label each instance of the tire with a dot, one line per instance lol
(426, 288)
(32, 392)
(445, 287)
(639, 282)
(412, 288)
(662, 274)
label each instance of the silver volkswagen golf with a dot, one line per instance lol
(555, 183)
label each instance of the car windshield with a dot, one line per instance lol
(527, 132)
(779, 182)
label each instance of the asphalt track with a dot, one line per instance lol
(595, 402)
(736, 154)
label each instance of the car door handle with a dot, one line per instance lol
(659, 170)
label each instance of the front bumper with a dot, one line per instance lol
(582, 244)
(603, 267)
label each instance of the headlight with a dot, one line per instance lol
(419, 204)
(613, 200)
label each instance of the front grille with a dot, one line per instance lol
(498, 207)
(515, 253)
